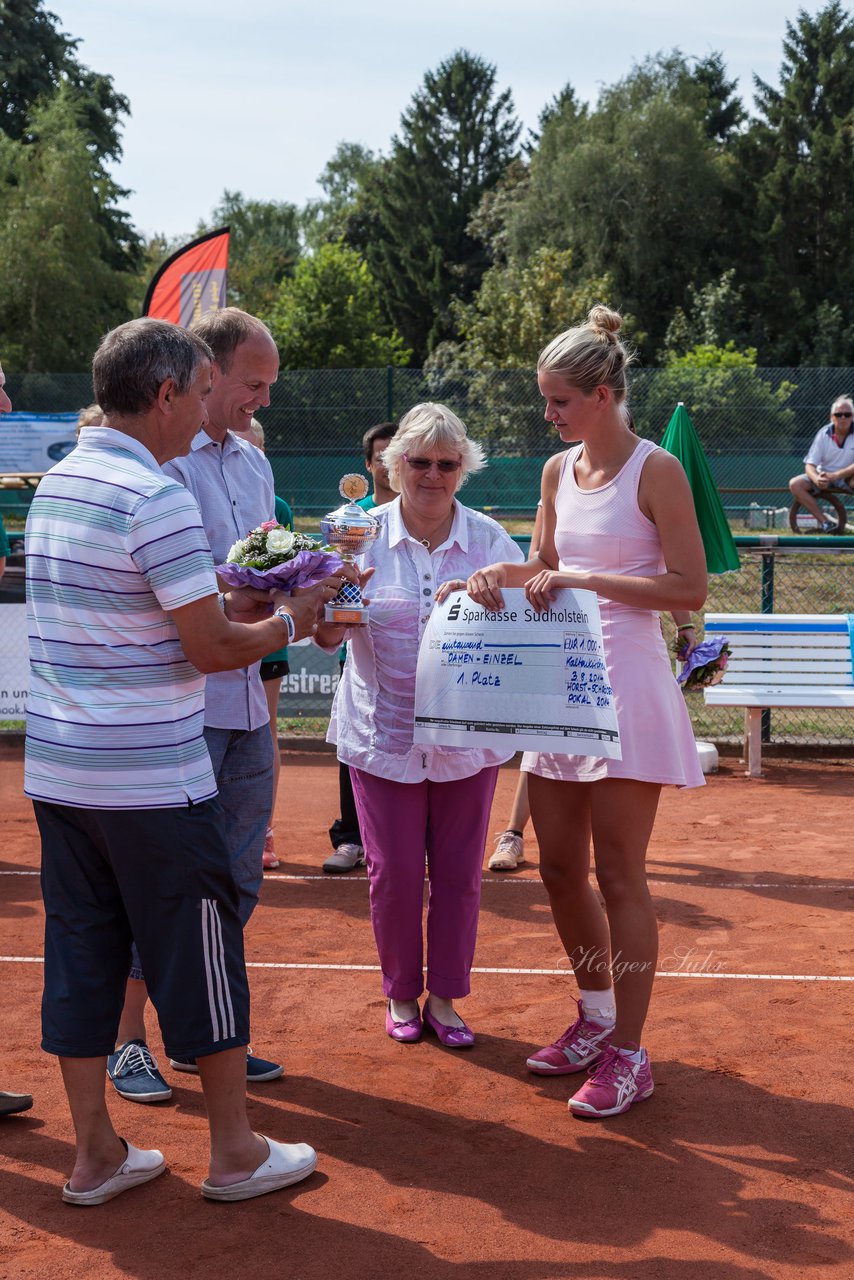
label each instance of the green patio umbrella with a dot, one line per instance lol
(682, 441)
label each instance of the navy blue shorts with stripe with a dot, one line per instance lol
(161, 877)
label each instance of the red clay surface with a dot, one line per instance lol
(438, 1165)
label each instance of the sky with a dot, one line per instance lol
(255, 96)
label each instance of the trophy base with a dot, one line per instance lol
(346, 615)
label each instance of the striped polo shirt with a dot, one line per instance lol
(116, 711)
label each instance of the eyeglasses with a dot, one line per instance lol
(844, 414)
(445, 465)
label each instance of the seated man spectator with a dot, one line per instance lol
(124, 617)
(829, 463)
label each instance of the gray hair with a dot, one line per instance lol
(590, 355)
(134, 360)
(427, 426)
(842, 400)
(225, 330)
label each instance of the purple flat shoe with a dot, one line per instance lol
(451, 1037)
(405, 1032)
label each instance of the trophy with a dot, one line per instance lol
(350, 530)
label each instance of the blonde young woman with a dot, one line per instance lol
(618, 519)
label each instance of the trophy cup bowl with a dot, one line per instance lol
(350, 530)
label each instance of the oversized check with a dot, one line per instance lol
(516, 678)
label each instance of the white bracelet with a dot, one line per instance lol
(282, 613)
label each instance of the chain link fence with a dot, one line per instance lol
(755, 425)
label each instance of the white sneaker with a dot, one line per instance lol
(345, 858)
(508, 853)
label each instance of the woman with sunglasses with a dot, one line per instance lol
(618, 519)
(412, 799)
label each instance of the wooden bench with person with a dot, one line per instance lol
(782, 660)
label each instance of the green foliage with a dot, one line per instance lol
(329, 315)
(35, 57)
(713, 317)
(456, 139)
(264, 247)
(727, 397)
(802, 153)
(343, 182)
(637, 188)
(520, 307)
(68, 252)
(59, 288)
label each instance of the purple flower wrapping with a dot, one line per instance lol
(306, 569)
(707, 651)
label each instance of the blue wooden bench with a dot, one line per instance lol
(782, 660)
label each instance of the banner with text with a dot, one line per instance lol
(516, 678)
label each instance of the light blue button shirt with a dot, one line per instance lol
(233, 485)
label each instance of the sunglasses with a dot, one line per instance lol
(445, 465)
(844, 414)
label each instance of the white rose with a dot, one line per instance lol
(279, 542)
(235, 553)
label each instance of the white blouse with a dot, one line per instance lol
(373, 714)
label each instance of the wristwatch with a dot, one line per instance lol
(282, 613)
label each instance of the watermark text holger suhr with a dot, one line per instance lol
(679, 960)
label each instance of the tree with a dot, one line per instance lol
(264, 247)
(343, 182)
(59, 289)
(714, 316)
(456, 139)
(36, 58)
(723, 391)
(328, 315)
(802, 152)
(522, 306)
(637, 189)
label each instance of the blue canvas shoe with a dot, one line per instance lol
(258, 1070)
(134, 1074)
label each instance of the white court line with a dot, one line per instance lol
(538, 973)
(833, 885)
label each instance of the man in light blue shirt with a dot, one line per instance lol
(232, 483)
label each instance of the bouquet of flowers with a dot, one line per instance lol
(272, 556)
(705, 665)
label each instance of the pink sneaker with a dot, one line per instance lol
(578, 1047)
(270, 861)
(615, 1083)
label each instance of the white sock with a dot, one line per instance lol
(636, 1056)
(601, 1006)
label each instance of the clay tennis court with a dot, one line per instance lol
(437, 1164)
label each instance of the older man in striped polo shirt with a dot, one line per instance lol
(124, 618)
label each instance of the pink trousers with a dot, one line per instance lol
(400, 822)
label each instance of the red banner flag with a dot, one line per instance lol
(192, 282)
